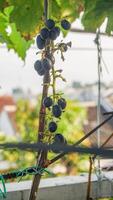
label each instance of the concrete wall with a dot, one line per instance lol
(63, 188)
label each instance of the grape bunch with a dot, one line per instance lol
(56, 112)
(57, 108)
(51, 32)
(55, 104)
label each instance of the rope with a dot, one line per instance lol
(3, 192)
(27, 171)
(20, 173)
(62, 148)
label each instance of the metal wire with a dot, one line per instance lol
(99, 69)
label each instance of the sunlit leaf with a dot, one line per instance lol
(27, 15)
(95, 14)
(20, 45)
(10, 35)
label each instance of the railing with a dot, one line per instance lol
(63, 188)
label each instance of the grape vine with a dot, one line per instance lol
(54, 104)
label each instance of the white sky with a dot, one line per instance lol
(79, 65)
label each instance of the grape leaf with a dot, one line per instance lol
(4, 38)
(95, 14)
(3, 4)
(24, 17)
(109, 27)
(19, 44)
(70, 9)
(27, 15)
(10, 35)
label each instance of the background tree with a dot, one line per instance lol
(27, 120)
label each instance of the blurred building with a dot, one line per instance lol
(7, 115)
(91, 122)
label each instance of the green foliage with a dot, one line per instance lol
(3, 4)
(10, 35)
(95, 14)
(26, 15)
(69, 9)
(15, 159)
(27, 120)
(26, 18)
(27, 117)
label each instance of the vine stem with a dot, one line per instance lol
(54, 82)
(42, 155)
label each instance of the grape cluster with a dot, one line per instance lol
(56, 109)
(42, 66)
(50, 31)
(57, 104)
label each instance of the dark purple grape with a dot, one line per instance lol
(44, 33)
(56, 111)
(57, 30)
(58, 140)
(52, 126)
(47, 102)
(50, 24)
(39, 68)
(65, 24)
(62, 103)
(40, 42)
(52, 34)
(47, 64)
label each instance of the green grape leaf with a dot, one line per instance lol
(3, 4)
(19, 44)
(95, 13)
(109, 27)
(69, 9)
(27, 15)
(3, 29)
(10, 35)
